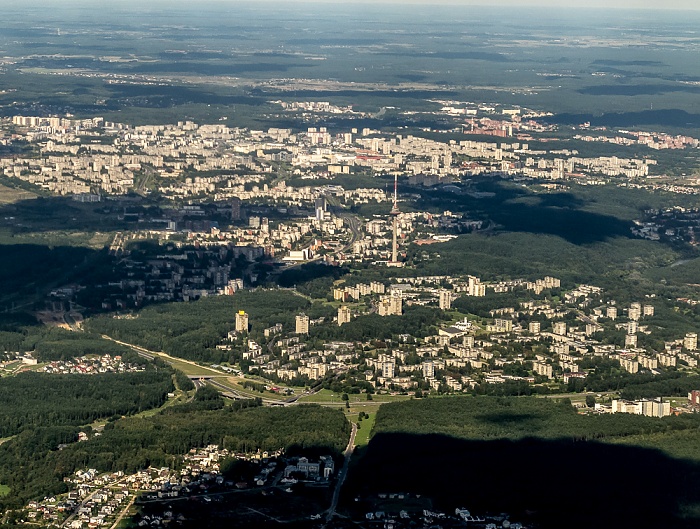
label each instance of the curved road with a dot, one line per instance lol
(225, 390)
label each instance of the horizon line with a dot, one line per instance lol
(629, 5)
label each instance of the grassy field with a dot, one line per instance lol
(326, 396)
(4, 490)
(10, 368)
(380, 399)
(365, 429)
(189, 368)
(9, 195)
(88, 239)
(356, 404)
(180, 397)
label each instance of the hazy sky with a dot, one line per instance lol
(559, 5)
(618, 4)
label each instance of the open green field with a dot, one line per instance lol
(189, 368)
(49, 213)
(364, 429)
(87, 239)
(10, 195)
(180, 397)
(326, 396)
(10, 368)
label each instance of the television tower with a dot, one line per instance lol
(395, 213)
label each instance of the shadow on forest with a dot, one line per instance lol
(308, 272)
(576, 226)
(46, 242)
(533, 421)
(666, 117)
(29, 271)
(518, 210)
(552, 483)
(47, 253)
(42, 214)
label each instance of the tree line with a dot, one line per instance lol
(488, 418)
(31, 400)
(193, 330)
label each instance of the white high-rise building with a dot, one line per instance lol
(302, 324)
(445, 299)
(559, 328)
(389, 368)
(475, 287)
(428, 370)
(390, 306)
(635, 311)
(344, 315)
(241, 321)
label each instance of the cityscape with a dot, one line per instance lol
(269, 265)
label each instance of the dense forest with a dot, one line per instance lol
(52, 344)
(193, 330)
(20, 333)
(487, 418)
(32, 467)
(494, 256)
(676, 386)
(32, 400)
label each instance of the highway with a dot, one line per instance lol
(199, 380)
(231, 393)
(353, 222)
(145, 353)
(142, 187)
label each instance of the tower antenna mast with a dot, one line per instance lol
(395, 213)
